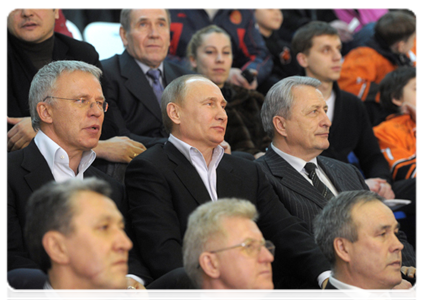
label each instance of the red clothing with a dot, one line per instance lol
(397, 140)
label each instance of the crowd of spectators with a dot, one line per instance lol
(182, 117)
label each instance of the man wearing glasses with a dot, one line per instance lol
(67, 109)
(224, 249)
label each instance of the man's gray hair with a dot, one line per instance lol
(335, 220)
(44, 83)
(279, 100)
(175, 92)
(125, 18)
(204, 225)
(51, 208)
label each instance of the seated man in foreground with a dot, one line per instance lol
(223, 247)
(358, 234)
(75, 232)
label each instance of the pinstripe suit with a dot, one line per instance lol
(304, 201)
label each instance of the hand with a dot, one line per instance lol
(236, 78)
(21, 134)
(408, 271)
(381, 187)
(407, 108)
(344, 32)
(119, 149)
(142, 293)
(226, 147)
(405, 289)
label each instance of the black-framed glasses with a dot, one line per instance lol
(252, 247)
(83, 103)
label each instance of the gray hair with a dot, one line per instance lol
(335, 220)
(51, 208)
(44, 83)
(204, 224)
(279, 100)
(175, 92)
(125, 18)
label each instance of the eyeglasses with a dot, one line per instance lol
(83, 103)
(251, 247)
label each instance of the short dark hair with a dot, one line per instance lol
(302, 40)
(392, 87)
(395, 26)
(51, 208)
(335, 220)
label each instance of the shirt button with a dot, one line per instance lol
(62, 157)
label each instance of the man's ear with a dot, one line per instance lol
(342, 248)
(302, 60)
(173, 112)
(54, 244)
(279, 124)
(122, 33)
(45, 112)
(210, 264)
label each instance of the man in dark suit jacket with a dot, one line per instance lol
(130, 87)
(358, 234)
(166, 183)
(75, 233)
(68, 120)
(294, 115)
(31, 44)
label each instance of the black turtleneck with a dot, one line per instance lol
(39, 54)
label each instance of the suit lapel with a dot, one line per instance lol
(138, 85)
(291, 179)
(38, 171)
(226, 179)
(187, 174)
(335, 176)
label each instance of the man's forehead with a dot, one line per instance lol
(373, 214)
(149, 14)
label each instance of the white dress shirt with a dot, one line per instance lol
(298, 164)
(58, 160)
(194, 156)
(355, 292)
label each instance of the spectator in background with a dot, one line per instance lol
(248, 48)
(31, 44)
(365, 67)
(397, 135)
(132, 86)
(318, 50)
(210, 54)
(284, 62)
(224, 249)
(357, 233)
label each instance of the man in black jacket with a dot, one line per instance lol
(32, 43)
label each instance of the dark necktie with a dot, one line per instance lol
(157, 86)
(323, 189)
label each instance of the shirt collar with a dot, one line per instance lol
(355, 292)
(296, 162)
(52, 152)
(189, 151)
(146, 68)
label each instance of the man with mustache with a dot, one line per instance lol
(358, 234)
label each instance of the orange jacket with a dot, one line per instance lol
(397, 140)
(362, 71)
